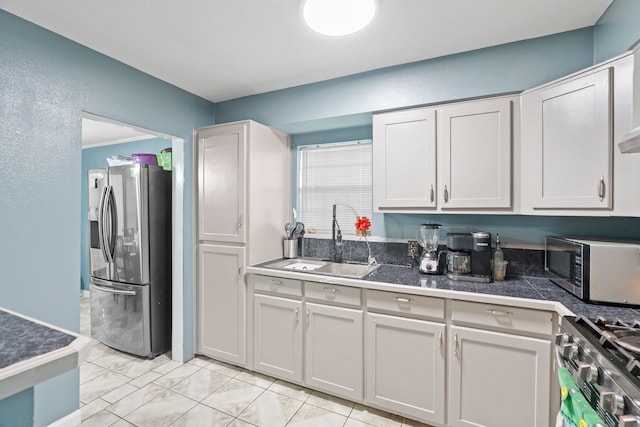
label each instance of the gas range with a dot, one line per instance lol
(600, 356)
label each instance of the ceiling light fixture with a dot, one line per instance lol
(338, 17)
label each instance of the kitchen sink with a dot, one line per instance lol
(303, 266)
(351, 270)
(298, 264)
(357, 271)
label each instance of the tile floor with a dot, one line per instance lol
(117, 389)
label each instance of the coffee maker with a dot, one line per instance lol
(469, 256)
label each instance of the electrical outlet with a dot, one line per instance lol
(412, 248)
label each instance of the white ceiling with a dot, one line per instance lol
(225, 49)
(98, 131)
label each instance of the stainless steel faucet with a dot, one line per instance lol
(336, 239)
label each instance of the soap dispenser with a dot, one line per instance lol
(499, 264)
(498, 255)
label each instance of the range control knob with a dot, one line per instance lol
(561, 338)
(628, 421)
(569, 351)
(587, 372)
(612, 402)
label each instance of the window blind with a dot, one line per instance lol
(334, 174)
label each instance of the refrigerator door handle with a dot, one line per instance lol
(101, 230)
(110, 227)
(98, 281)
(114, 291)
(114, 222)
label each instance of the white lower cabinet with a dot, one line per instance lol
(498, 379)
(277, 335)
(220, 310)
(405, 366)
(443, 362)
(334, 350)
(317, 344)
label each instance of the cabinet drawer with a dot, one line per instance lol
(278, 285)
(333, 293)
(501, 316)
(405, 304)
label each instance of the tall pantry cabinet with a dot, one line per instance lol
(243, 201)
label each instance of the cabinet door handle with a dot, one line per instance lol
(440, 341)
(432, 194)
(308, 318)
(240, 221)
(455, 344)
(296, 318)
(446, 194)
(240, 271)
(601, 188)
(405, 300)
(332, 290)
(499, 313)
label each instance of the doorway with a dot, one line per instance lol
(102, 138)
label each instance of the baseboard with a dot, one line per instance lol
(84, 293)
(74, 419)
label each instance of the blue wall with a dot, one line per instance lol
(340, 110)
(349, 101)
(96, 158)
(47, 82)
(617, 30)
(17, 410)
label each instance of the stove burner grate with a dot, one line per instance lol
(621, 339)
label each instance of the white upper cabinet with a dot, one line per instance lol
(243, 186)
(221, 183)
(463, 162)
(626, 107)
(552, 150)
(567, 144)
(404, 159)
(474, 155)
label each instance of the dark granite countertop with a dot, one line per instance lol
(533, 288)
(32, 351)
(519, 287)
(22, 339)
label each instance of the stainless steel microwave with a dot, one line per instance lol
(595, 270)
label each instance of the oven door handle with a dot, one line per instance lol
(114, 291)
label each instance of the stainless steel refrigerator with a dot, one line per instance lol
(130, 258)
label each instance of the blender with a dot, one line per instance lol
(428, 237)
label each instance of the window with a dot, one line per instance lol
(334, 174)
